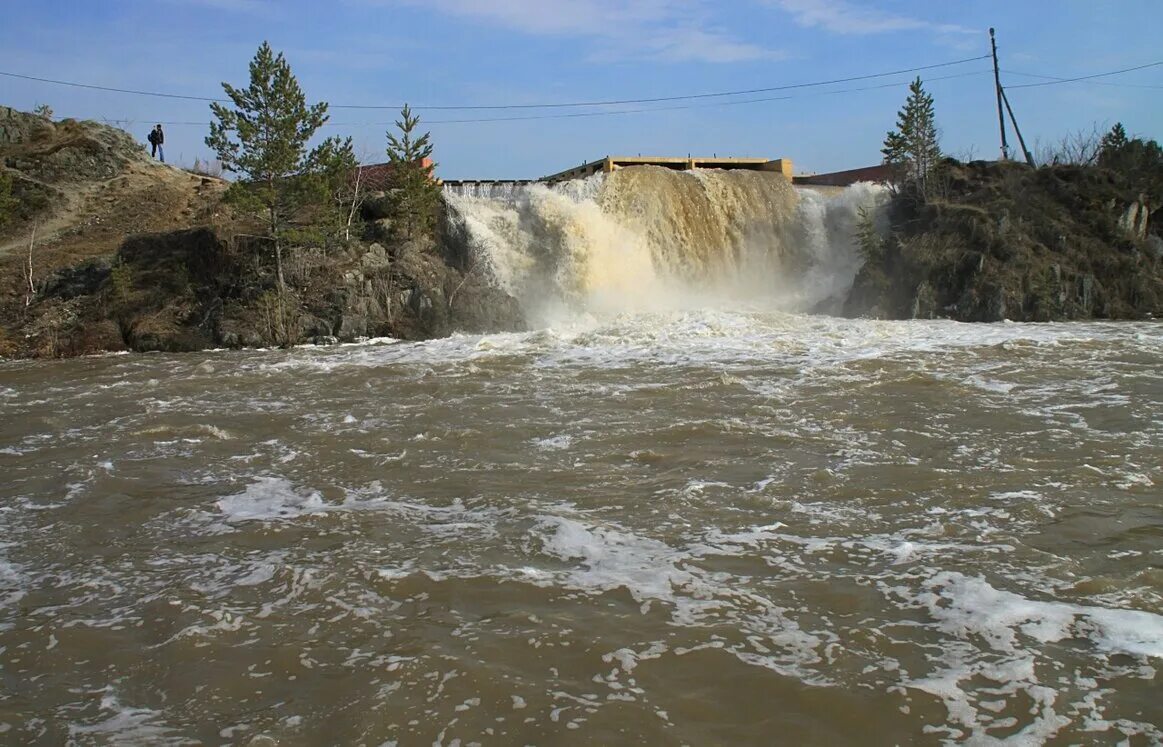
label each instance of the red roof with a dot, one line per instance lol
(378, 174)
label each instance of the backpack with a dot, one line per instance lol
(153, 137)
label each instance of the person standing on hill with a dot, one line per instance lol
(157, 139)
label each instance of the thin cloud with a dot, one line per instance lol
(261, 7)
(697, 45)
(556, 17)
(659, 30)
(841, 17)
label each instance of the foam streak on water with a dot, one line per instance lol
(678, 527)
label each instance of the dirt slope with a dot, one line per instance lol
(85, 186)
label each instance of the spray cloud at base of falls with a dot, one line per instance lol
(646, 238)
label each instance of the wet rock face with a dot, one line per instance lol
(195, 289)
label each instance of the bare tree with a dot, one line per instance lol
(473, 265)
(28, 298)
(357, 199)
(1079, 148)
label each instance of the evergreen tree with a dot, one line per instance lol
(415, 191)
(1112, 143)
(1139, 161)
(912, 149)
(263, 139)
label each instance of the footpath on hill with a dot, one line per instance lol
(84, 187)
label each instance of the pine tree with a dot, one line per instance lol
(1112, 143)
(913, 149)
(263, 139)
(415, 191)
(1139, 161)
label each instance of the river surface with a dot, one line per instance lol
(701, 527)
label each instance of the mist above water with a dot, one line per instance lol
(647, 238)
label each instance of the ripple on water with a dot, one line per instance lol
(919, 531)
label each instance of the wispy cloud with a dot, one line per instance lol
(842, 17)
(556, 17)
(661, 30)
(241, 6)
(701, 45)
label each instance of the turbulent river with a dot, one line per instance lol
(718, 523)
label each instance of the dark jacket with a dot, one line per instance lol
(156, 137)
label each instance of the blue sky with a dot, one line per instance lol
(490, 52)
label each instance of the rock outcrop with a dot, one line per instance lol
(195, 289)
(1004, 241)
(131, 254)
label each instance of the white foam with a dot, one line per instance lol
(270, 498)
(965, 606)
(1001, 636)
(612, 559)
(126, 725)
(554, 443)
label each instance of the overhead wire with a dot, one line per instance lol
(554, 105)
(684, 107)
(1049, 81)
(687, 97)
(1059, 81)
(616, 112)
(1093, 82)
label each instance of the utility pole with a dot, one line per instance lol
(1001, 118)
(1014, 122)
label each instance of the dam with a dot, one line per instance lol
(611, 163)
(878, 174)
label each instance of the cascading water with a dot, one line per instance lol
(647, 238)
(714, 524)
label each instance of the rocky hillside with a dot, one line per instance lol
(130, 254)
(1006, 241)
(84, 186)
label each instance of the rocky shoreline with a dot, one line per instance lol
(998, 241)
(146, 257)
(193, 289)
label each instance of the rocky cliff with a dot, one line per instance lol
(129, 254)
(1000, 241)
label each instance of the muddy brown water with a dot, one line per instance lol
(681, 528)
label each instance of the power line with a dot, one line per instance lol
(73, 84)
(662, 99)
(677, 108)
(524, 118)
(1094, 82)
(1059, 81)
(559, 105)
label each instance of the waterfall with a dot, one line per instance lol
(646, 238)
